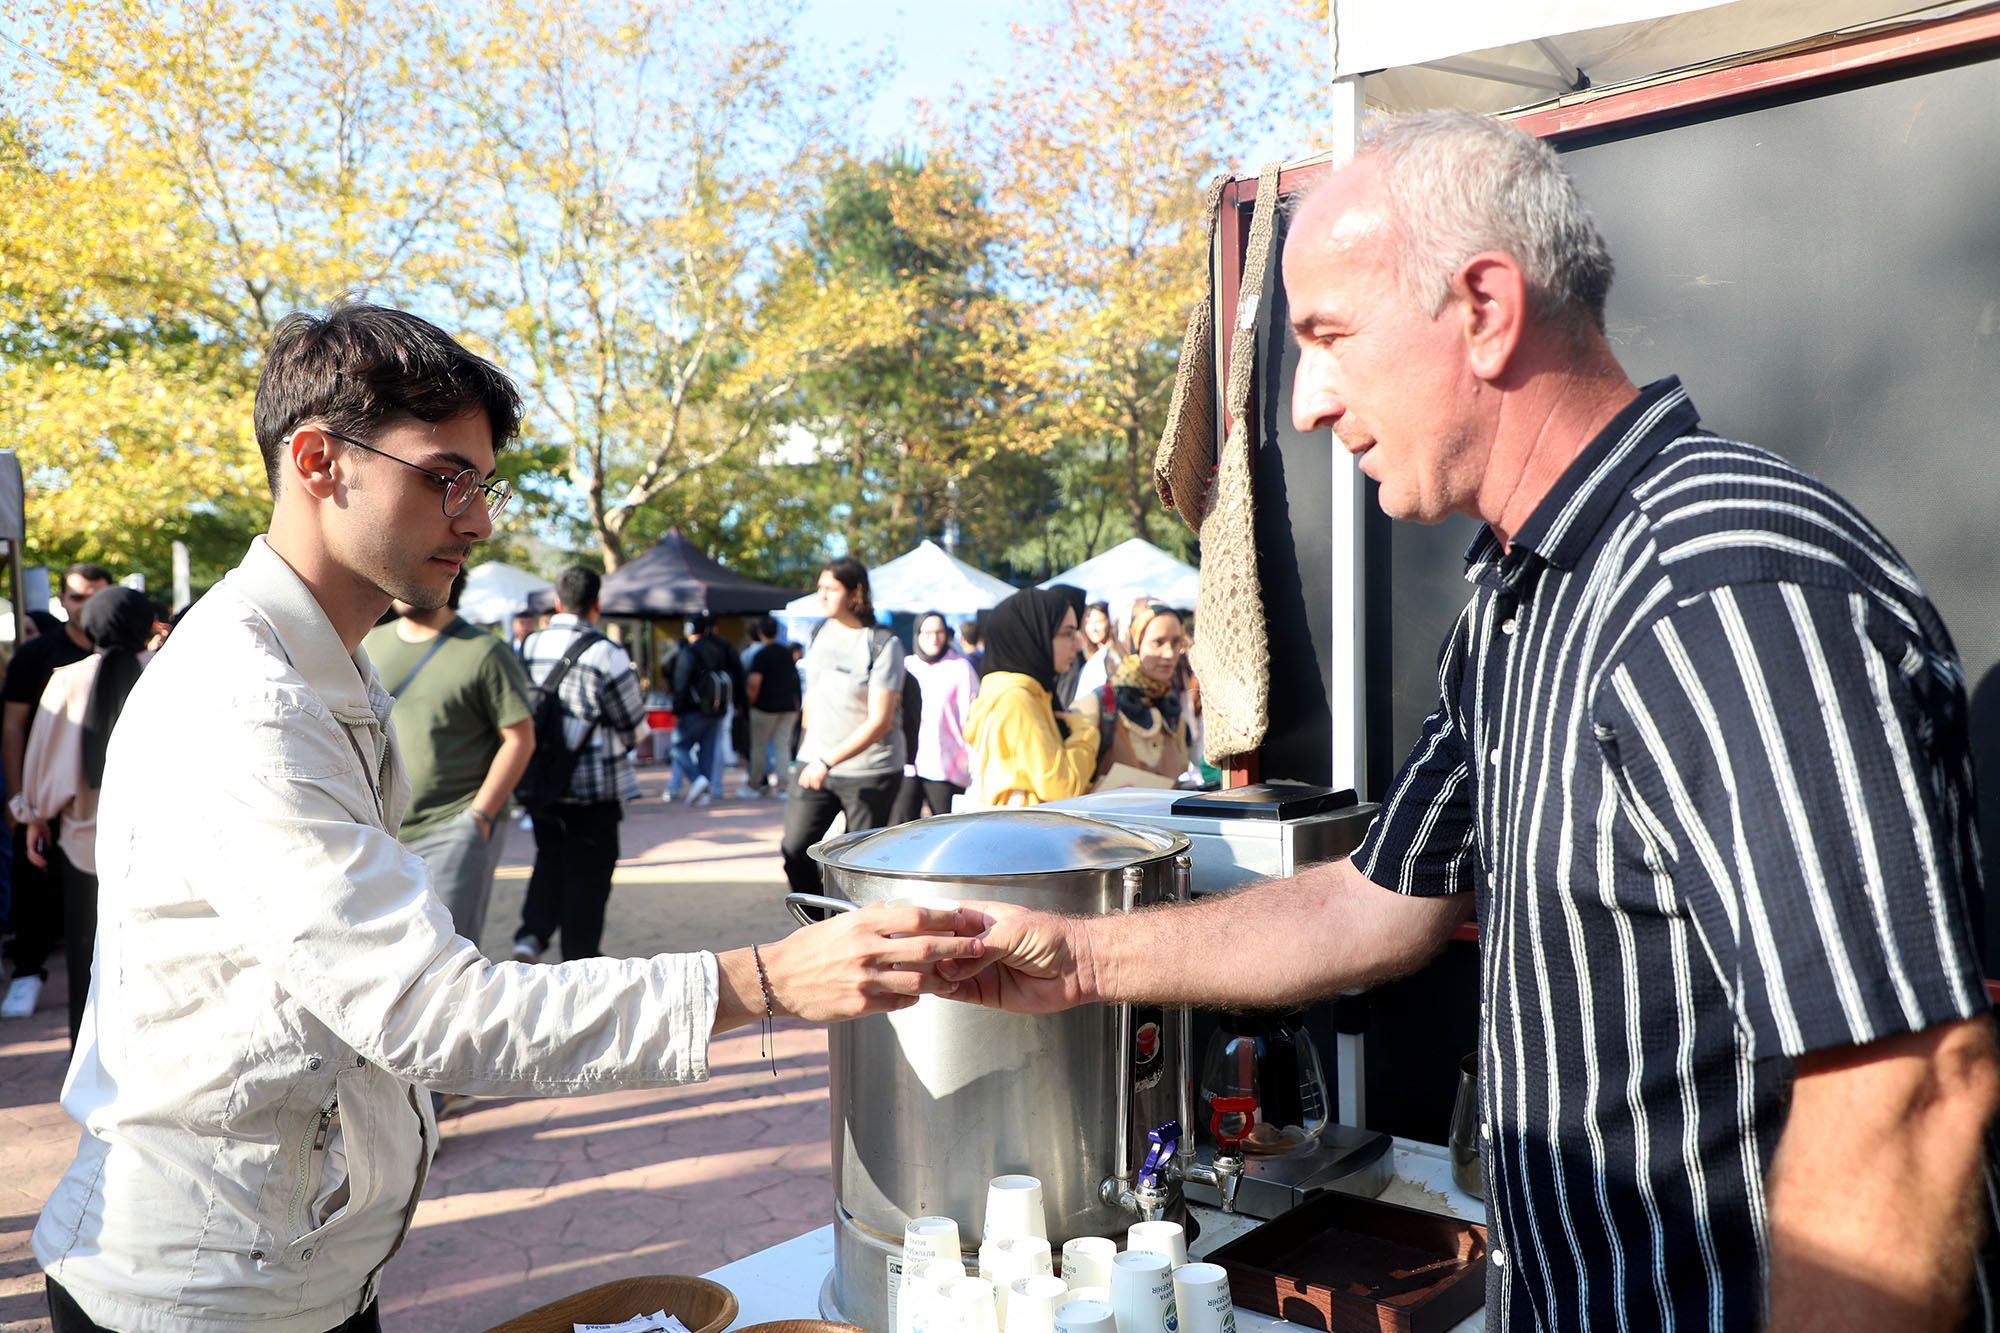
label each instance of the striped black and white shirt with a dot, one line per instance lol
(1700, 754)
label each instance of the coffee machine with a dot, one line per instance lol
(1261, 1093)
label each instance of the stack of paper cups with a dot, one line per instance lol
(1032, 1302)
(1014, 1208)
(1163, 1238)
(1142, 1291)
(965, 1305)
(925, 1239)
(1087, 1261)
(1004, 1262)
(1075, 1316)
(918, 1306)
(1201, 1299)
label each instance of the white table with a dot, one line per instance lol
(783, 1282)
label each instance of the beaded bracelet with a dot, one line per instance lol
(767, 1045)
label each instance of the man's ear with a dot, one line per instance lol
(1493, 298)
(309, 457)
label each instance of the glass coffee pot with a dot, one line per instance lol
(1261, 1088)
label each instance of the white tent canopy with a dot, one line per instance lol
(494, 591)
(928, 578)
(1134, 568)
(1489, 57)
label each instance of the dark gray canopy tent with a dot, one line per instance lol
(673, 579)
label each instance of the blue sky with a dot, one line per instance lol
(934, 46)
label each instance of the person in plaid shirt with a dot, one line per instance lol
(576, 838)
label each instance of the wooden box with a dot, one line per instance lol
(1354, 1265)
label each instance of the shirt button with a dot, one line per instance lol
(312, 1062)
(1508, 626)
(1499, 1257)
(1485, 1130)
(257, 1255)
(306, 1255)
(1494, 754)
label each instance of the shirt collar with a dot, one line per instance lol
(1567, 520)
(343, 681)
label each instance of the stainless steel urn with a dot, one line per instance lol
(931, 1102)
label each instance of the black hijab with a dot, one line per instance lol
(119, 621)
(1021, 635)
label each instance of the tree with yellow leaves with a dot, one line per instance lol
(629, 234)
(1094, 150)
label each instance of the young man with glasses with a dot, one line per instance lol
(36, 905)
(277, 983)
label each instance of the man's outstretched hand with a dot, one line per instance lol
(855, 963)
(1030, 962)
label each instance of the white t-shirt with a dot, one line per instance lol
(842, 666)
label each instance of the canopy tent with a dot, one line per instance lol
(1131, 569)
(928, 578)
(1489, 57)
(494, 591)
(672, 578)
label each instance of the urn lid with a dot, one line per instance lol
(986, 844)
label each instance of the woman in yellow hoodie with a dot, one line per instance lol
(1024, 752)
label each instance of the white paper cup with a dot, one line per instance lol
(1004, 1262)
(1142, 1291)
(1032, 1302)
(966, 1306)
(918, 1308)
(1202, 1300)
(1086, 1261)
(1102, 1293)
(1166, 1238)
(1075, 1316)
(928, 1238)
(1014, 1208)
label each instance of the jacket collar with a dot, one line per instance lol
(344, 682)
(1569, 517)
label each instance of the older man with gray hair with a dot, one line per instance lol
(1698, 764)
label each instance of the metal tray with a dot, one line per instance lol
(1353, 1265)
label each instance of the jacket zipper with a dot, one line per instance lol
(321, 1128)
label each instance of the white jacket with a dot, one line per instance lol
(276, 988)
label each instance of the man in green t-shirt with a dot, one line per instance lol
(462, 718)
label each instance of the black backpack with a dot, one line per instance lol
(910, 697)
(546, 779)
(713, 690)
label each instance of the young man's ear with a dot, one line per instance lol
(309, 456)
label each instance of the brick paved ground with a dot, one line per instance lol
(530, 1200)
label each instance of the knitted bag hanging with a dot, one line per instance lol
(1184, 465)
(1232, 647)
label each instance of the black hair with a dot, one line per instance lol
(853, 576)
(699, 623)
(576, 589)
(767, 628)
(362, 367)
(88, 572)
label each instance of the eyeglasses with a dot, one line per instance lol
(459, 489)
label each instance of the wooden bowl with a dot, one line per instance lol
(803, 1326)
(704, 1306)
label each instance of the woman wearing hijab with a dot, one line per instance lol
(942, 765)
(1023, 751)
(64, 766)
(1145, 731)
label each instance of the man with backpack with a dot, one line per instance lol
(708, 680)
(587, 706)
